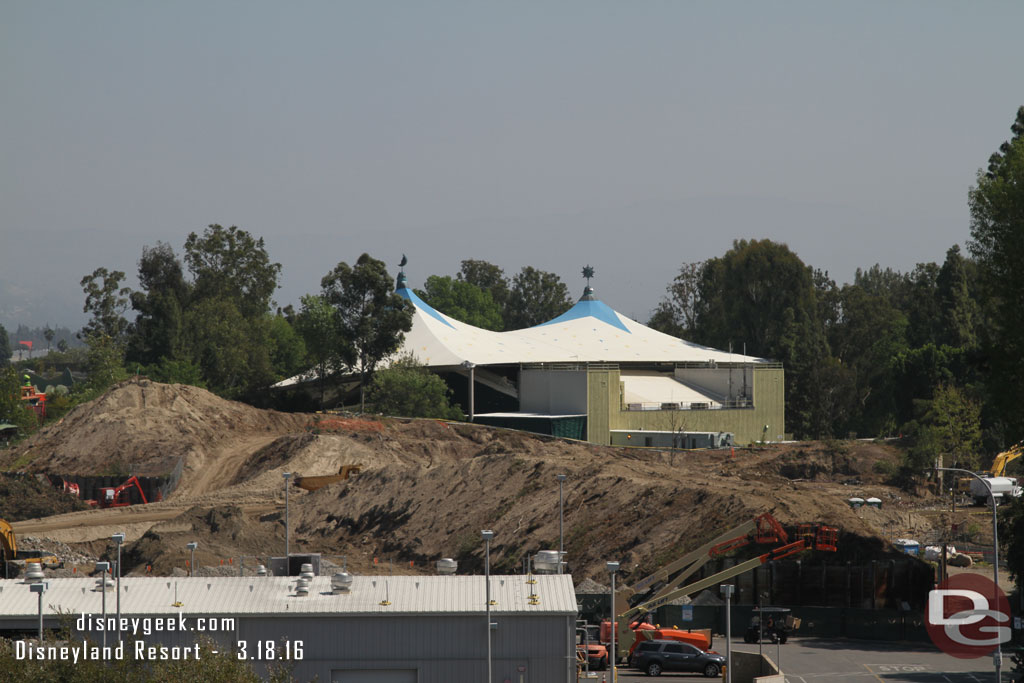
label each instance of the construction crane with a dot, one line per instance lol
(763, 529)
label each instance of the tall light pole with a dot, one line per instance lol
(40, 588)
(487, 535)
(612, 567)
(103, 568)
(997, 656)
(472, 386)
(561, 544)
(287, 527)
(192, 563)
(118, 538)
(727, 591)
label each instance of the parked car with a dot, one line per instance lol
(654, 656)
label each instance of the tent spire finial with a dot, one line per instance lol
(400, 281)
(588, 291)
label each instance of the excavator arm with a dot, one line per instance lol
(7, 543)
(1005, 458)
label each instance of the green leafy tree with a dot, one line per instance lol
(487, 277)
(287, 349)
(1011, 535)
(318, 325)
(233, 352)
(869, 333)
(536, 297)
(950, 428)
(371, 319)
(160, 303)
(5, 347)
(463, 301)
(408, 389)
(997, 229)
(106, 300)
(105, 362)
(12, 409)
(960, 313)
(230, 263)
(48, 333)
(760, 293)
(676, 314)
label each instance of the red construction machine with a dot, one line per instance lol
(662, 586)
(116, 497)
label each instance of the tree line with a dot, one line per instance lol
(934, 353)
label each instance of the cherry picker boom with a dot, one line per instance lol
(765, 528)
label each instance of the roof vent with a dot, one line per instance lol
(104, 583)
(302, 587)
(446, 566)
(546, 562)
(341, 582)
(261, 570)
(307, 571)
(34, 573)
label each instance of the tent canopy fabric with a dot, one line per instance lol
(589, 332)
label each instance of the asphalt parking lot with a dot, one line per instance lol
(815, 660)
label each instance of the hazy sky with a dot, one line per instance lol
(633, 136)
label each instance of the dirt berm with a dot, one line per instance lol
(427, 488)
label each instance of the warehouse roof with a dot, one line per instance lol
(238, 595)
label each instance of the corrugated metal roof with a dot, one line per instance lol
(234, 595)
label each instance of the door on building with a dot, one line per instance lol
(373, 676)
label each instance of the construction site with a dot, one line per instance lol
(215, 492)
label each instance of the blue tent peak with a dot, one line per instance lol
(590, 306)
(419, 303)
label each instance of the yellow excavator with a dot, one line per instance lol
(998, 468)
(9, 552)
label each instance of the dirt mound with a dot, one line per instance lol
(144, 428)
(426, 488)
(23, 496)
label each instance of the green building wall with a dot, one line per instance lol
(606, 410)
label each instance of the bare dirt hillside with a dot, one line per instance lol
(427, 488)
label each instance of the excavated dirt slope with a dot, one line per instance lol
(427, 488)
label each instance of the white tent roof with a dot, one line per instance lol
(588, 332)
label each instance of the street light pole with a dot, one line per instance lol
(287, 527)
(561, 543)
(118, 538)
(487, 535)
(997, 656)
(103, 568)
(40, 588)
(612, 567)
(727, 591)
(472, 387)
(192, 563)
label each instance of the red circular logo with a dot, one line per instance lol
(967, 616)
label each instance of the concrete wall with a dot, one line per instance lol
(553, 392)
(746, 423)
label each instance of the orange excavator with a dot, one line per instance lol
(630, 628)
(34, 401)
